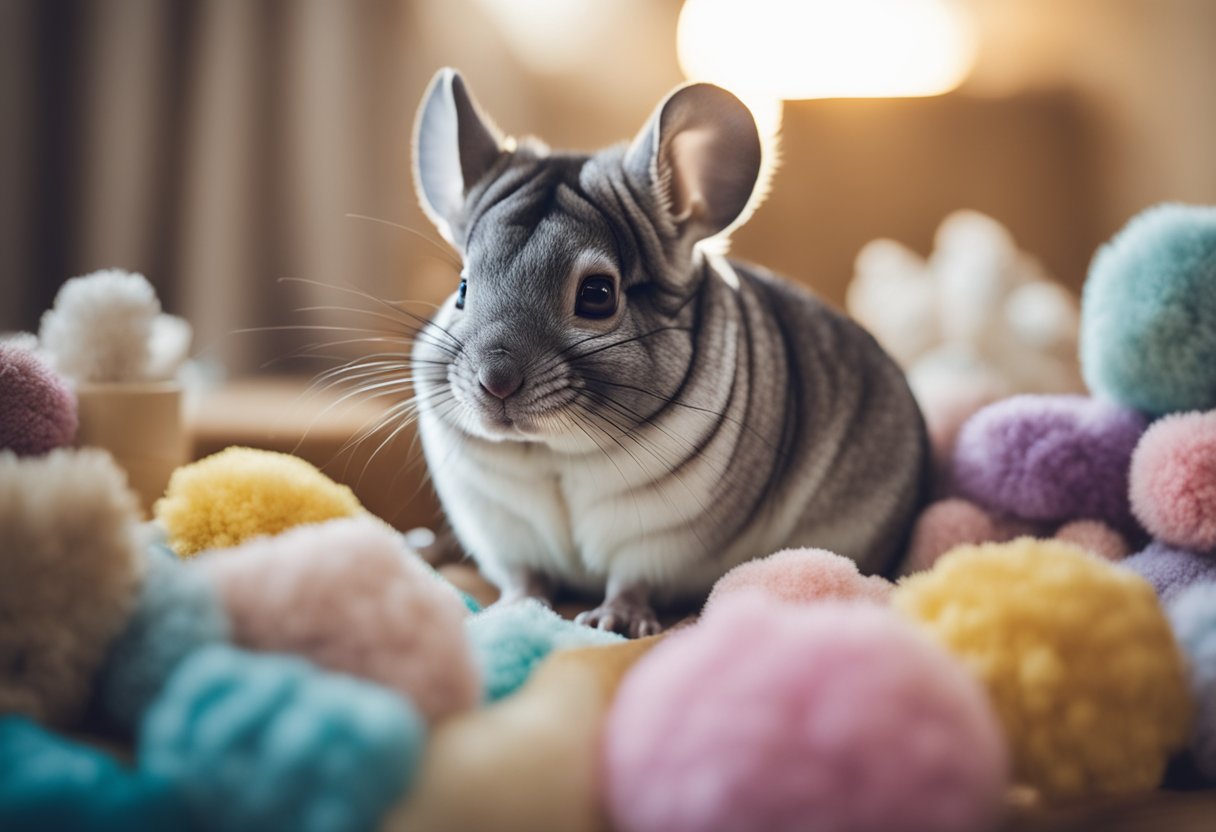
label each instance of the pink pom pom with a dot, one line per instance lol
(1095, 536)
(349, 596)
(1173, 480)
(776, 717)
(37, 410)
(956, 522)
(801, 576)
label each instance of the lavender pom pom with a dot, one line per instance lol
(1171, 570)
(1050, 458)
(1193, 615)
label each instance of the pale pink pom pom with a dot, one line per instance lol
(1173, 480)
(349, 596)
(1095, 536)
(776, 717)
(801, 576)
(957, 522)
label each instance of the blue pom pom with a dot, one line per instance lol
(177, 612)
(49, 783)
(1148, 312)
(258, 741)
(511, 640)
(1193, 614)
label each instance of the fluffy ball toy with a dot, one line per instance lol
(69, 565)
(773, 716)
(510, 640)
(1096, 537)
(100, 327)
(177, 612)
(976, 322)
(1077, 656)
(258, 742)
(801, 576)
(954, 522)
(1193, 614)
(1171, 570)
(349, 595)
(47, 782)
(1173, 480)
(1049, 458)
(37, 410)
(240, 493)
(1148, 312)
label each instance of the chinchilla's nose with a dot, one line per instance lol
(500, 376)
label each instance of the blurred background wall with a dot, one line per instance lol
(219, 146)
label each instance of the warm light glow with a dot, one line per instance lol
(791, 49)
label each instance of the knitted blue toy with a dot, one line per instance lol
(177, 612)
(1148, 312)
(50, 783)
(509, 641)
(1193, 614)
(258, 742)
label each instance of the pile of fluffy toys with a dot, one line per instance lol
(268, 655)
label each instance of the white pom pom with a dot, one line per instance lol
(100, 328)
(895, 297)
(169, 346)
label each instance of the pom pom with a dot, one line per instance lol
(510, 640)
(1173, 480)
(177, 612)
(100, 327)
(68, 577)
(1077, 656)
(37, 410)
(241, 493)
(773, 716)
(1096, 537)
(1049, 458)
(950, 523)
(349, 595)
(1193, 614)
(1148, 312)
(800, 576)
(48, 783)
(268, 742)
(1171, 570)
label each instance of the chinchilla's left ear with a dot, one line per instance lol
(699, 154)
(455, 145)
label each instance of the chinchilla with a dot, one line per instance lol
(605, 404)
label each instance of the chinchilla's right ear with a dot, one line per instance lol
(455, 145)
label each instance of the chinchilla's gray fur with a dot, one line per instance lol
(719, 414)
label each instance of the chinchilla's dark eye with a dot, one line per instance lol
(460, 293)
(596, 297)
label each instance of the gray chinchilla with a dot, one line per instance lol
(606, 405)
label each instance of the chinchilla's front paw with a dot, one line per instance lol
(622, 615)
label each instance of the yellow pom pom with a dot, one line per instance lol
(241, 493)
(1077, 655)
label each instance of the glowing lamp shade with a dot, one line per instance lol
(792, 49)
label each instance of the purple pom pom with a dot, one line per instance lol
(1171, 570)
(1050, 458)
(37, 410)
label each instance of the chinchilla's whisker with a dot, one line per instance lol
(720, 414)
(447, 253)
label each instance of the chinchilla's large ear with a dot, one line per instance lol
(455, 145)
(700, 155)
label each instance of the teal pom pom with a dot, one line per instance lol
(1148, 312)
(511, 640)
(177, 612)
(260, 741)
(49, 783)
